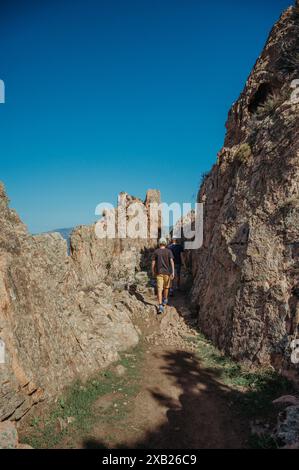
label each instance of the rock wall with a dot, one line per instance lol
(115, 260)
(58, 318)
(246, 285)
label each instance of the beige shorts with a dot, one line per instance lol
(163, 281)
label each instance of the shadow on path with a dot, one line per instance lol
(197, 416)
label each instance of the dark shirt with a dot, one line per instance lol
(176, 251)
(162, 257)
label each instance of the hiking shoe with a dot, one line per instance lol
(161, 309)
(171, 293)
(165, 302)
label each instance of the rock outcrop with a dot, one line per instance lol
(287, 431)
(59, 320)
(9, 437)
(246, 285)
(115, 260)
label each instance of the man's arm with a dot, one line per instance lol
(172, 268)
(153, 267)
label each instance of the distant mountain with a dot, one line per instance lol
(64, 232)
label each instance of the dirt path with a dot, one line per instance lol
(180, 403)
(167, 396)
(175, 390)
(179, 406)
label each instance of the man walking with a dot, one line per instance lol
(177, 251)
(163, 269)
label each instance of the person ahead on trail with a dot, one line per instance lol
(163, 269)
(177, 251)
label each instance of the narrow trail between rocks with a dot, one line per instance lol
(180, 403)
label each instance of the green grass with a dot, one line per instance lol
(251, 391)
(78, 402)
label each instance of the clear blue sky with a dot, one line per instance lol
(104, 96)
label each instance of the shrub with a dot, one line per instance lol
(244, 153)
(273, 102)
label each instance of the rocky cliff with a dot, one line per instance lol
(59, 319)
(246, 286)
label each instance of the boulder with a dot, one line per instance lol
(120, 370)
(288, 426)
(9, 437)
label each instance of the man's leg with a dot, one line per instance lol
(171, 288)
(159, 289)
(167, 282)
(165, 295)
(160, 296)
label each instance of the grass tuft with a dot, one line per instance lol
(78, 403)
(251, 391)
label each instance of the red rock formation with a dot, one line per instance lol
(246, 286)
(58, 318)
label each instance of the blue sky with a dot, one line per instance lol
(118, 95)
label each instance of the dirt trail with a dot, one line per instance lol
(180, 403)
(167, 396)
